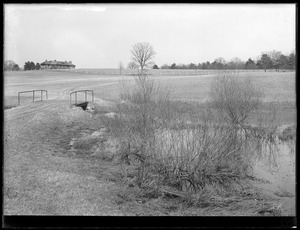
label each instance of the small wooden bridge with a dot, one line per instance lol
(81, 103)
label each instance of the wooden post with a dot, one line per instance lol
(75, 97)
(41, 94)
(33, 95)
(85, 96)
(18, 98)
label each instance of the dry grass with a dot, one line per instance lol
(38, 168)
(277, 86)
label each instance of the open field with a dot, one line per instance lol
(276, 86)
(161, 72)
(52, 165)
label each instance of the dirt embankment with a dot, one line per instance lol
(40, 176)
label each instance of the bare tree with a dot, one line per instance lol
(142, 55)
(132, 65)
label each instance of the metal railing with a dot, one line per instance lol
(33, 94)
(80, 91)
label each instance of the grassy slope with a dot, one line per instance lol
(40, 178)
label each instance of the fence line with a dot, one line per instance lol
(159, 72)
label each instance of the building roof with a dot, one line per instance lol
(66, 63)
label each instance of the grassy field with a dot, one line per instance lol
(44, 176)
(276, 86)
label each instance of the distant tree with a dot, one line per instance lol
(221, 60)
(8, 65)
(37, 66)
(142, 55)
(275, 56)
(192, 66)
(291, 60)
(155, 67)
(250, 64)
(32, 65)
(283, 62)
(132, 65)
(206, 65)
(236, 63)
(165, 66)
(265, 62)
(29, 65)
(219, 63)
(16, 67)
(181, 66)
(173, 66)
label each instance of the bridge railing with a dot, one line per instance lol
(85, 96)
(33, 94)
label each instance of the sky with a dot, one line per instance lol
(102, 35)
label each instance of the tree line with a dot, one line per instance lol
(29, 65)
(267, 60)
(10, 65)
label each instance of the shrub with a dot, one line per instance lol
(165, 149)
(235, 95)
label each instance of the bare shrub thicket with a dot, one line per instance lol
(236, 96)
(142, 113)
(239, 102)
(159, 148)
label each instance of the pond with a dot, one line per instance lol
(280, 179)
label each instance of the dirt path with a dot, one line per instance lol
(39, 177)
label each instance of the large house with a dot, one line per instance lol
(57, 65)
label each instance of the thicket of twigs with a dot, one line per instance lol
(164, 151)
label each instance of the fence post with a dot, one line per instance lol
(33, 96)
(85, 96)
(41, 94)
(18, 98)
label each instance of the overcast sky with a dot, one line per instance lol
(101, 35)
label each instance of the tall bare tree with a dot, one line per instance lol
(142, 55)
